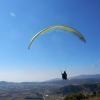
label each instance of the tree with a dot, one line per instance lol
(74, 96)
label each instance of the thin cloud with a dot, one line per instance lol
(12, 14)
(94, 66)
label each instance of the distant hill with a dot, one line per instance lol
(96, 76)
(72, 81)
(84, 88)
(6, 83)
(81, 79)
(55, 82)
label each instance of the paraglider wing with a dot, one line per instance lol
(62, 27)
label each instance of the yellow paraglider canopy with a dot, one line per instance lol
(62, 27)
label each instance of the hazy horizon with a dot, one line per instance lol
(46, 79)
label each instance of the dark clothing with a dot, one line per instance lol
(64, 76)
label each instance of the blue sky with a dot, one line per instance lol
(55, 51)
